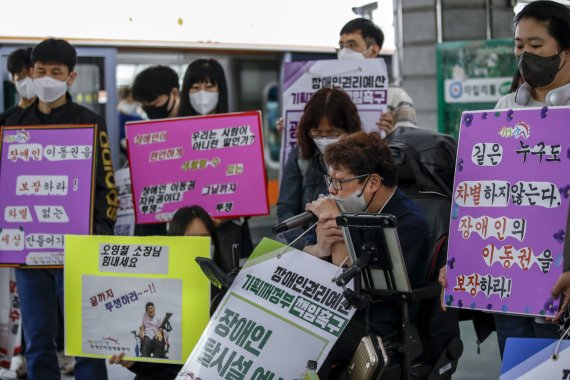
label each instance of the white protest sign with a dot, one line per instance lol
(365, 81)
(279, 313)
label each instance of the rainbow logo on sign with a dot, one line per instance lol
(520, 130)
(19, 137)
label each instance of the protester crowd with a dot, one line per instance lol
(336, 167)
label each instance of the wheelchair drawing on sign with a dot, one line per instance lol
(157, 346)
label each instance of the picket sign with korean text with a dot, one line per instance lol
(46, 177)
(509, 212)
(213, 161)
(279, 313)
(109, 281)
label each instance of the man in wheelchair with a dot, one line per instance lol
(153, 334)
(363, 179)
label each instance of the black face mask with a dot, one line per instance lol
(539, 71)
(158, 112)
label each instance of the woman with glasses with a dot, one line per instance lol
(328, 115)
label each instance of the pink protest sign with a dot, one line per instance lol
(509, 212)
(212, 161)
(46, 177)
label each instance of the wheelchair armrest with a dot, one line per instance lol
(429, 290)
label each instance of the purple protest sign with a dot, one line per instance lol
(510, 207)
(212, 161)
(46, 177)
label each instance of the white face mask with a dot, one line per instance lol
(25, 88)
(346, 53)
(355, 202)
(323, 142)
(129, 108)
(204, 102)
(49, 89)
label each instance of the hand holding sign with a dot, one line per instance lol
(562, 288)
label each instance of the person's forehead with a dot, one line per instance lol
(352, 37)
(158, 101)
(339, 172)
(196, 228)
(531, 29)
(50, 66)
(324, 125)
(203, 82)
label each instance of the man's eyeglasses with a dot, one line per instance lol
(336, 183)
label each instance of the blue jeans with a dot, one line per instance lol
(41, 293)
(511, 326)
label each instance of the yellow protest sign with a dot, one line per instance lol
(145, 296)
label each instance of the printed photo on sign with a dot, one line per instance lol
(138, 316)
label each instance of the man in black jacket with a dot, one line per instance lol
(41, 290)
